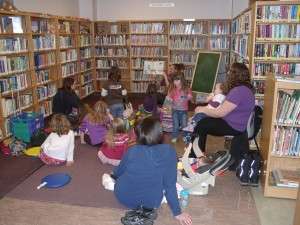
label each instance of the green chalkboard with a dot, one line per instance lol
(205, 72)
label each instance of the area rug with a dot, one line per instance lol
(14, 170)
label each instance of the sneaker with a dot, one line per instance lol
(174, 140)
(136, 219)
(149, 213)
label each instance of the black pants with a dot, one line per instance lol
(219, 127)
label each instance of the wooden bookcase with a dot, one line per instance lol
(36, 52)
(112, 48)
(273, 33)
(240, 37)
(272, 157)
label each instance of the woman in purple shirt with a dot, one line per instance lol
(232, 116)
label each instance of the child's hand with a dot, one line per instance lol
(210, 97)
(184, 219)
(69, 163)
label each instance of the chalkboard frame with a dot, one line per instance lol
(210, 52)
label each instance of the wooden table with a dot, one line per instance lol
(297, 210)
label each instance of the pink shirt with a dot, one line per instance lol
(180, 99)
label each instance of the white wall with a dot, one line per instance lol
(54, 7)
(239, 6)
(86, 9)
(139, 9)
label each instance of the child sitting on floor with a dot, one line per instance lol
(94, 125)
(58, 148)
(149, 106)
(116, 143)
(213, 100)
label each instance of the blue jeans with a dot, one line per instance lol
(187, 136)
(179, 121)
(117, 110)
(197, 117)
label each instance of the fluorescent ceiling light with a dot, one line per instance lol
(188, 19)
(162, 4)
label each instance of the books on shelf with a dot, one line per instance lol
(259, 87)
(111, 52)
(42, 26)
(12, 45)
(42, 76)
(219, 43)
(188, 28)
(68, 55)
(188, 42)
(66, 42)
(86, 78)
(44, 59)
(85, 53)
(279, 69)
(85, 40)
(220, 28)
(186, 57)
(11, 105)
(286, 178)
(141, 76)
(45, 108)
(148, 52)
(13, 83)
(11, 24)
(87, 89)
(84, 28)
(288, 111)
(66, 27)
(111, 40)
(45, 91)
(154, 67)
(277, 51)
(107, 63)
(44, 42)
(13, 64)
(278, 12)
(102, 75)
(149, 39)
(148, 28)
(278, 32)
(69, 69)
(85, 65)
(240, 45)
(242, 24)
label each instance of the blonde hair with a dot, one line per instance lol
(117, 127)
(98, 113)
(60, 124)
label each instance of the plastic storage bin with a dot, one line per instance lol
(25, 124)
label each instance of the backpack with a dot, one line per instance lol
(249, 168)
(38, 138)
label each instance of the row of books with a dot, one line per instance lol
(240, 45)
(44, 59)
(259, 87)
(186, 57)
(42, 26)
(262, 69)
(66, 27)
(188, 42)
(149, 39)
(219, 43)
(13, 44)
(85, 65)
(278, 12)
(288, 107)
(286, 141)
(140, 87)
(286, 178)
(68, 69)
(111, 52)
(46, 108)
(106, 28)
(149, 51)
(85, 53)
(45, 91)
(278, 31)
(188, 73)
(68, 55)
(140, 76)
(13, 64)
(13, 83)
(277, 50)
(66, 42)
(242, 24)
(12, 104)
(85, 40)
(86, 78)
(44, 42)
(84, 29)
(148, 28)
(11, 24)
(111, 40)
(42, 76)
(220, 28)
(122, 28)
(107, 63)
(138, 63)
(87, 89)
(188, 28)
(102, 75)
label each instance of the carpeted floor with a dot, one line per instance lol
(14, 170)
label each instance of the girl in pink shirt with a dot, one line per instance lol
(179, 94)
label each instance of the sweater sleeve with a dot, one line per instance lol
(47, 142)
(83, 125)
(119, 170)
(169, 183)
(70, 152)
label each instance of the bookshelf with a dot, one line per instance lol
(112, 49)
(240, 37)
(280, 133)
(276, 41)
(148, 42)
